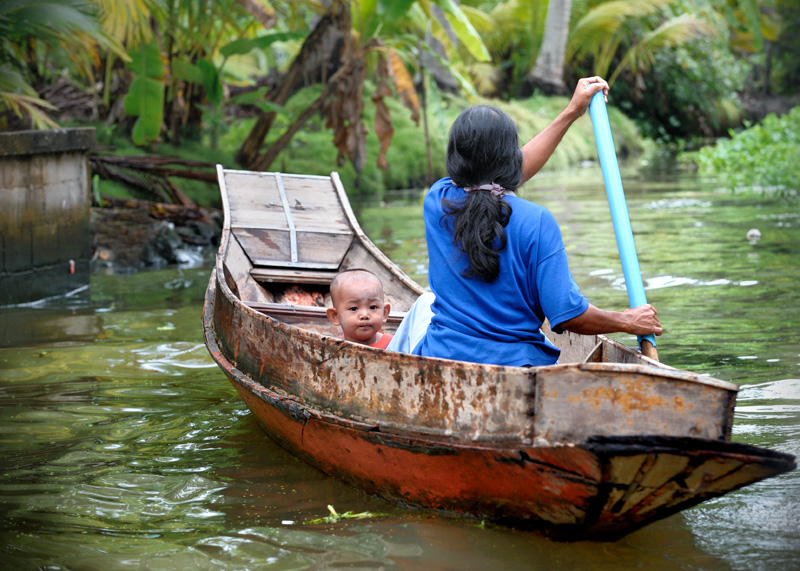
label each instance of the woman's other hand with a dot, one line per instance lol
(643, 320)
(640, 320)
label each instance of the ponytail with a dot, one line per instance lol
(479, 231)
(483, 149)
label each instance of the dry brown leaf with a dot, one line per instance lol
(383, 120)
(403, 84)
(344, 108)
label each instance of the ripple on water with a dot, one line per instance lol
(766, 513)
(781, 389)
(172, 358)
(768, 414)
(676, 203)
(660, 282)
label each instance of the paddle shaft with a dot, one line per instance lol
(619, 213)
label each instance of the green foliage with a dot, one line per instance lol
(204, 193)
(258, 98)
(145, 98)
(690, 92)
(244, 46)
(513, 35)
(464, 29)
(183, 69)
(763, 157)
(786, 59)
(211, 80)
(369, 16)
(311, 150)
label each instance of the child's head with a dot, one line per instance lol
(484, 148)
(358, 306)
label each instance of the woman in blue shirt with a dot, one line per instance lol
(497, 264)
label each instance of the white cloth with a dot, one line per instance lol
(414, 325)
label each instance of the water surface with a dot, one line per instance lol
(124, 447)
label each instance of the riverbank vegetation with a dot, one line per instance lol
(370, 87)
(763, 157)
(311, 151)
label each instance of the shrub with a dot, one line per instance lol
(763, 157)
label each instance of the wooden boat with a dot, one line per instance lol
(593, 448)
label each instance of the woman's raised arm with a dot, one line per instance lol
(537, 151)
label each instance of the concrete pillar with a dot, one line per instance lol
(45, 205)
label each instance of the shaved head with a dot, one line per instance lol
(347, 278)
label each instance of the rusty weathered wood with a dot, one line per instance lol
(594, 448)
(574, 401)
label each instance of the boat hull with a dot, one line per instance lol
(599, 489)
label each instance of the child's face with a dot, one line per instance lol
(359, 309)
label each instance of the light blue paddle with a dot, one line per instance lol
(619, 213)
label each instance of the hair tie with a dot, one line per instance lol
(494, 188)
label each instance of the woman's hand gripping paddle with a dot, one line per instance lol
(619, 214)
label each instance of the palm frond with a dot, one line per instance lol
(486, 78)
(127, 20)
(22, 100)
(673, 32)
(604, 21)
(481, 21)
(54, 22)
(47, 21)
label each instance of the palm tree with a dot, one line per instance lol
(670, 33)
(32, 30)
(548, 72)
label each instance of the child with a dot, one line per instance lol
(359, 308)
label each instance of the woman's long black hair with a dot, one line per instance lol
(483, 148)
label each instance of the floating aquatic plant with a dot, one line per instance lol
(336, 516)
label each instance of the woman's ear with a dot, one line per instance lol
(333, 315)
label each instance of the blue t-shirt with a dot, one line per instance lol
(498, 322)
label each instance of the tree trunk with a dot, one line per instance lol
(265, 160)
(548, 71)
(424, 98)
(318, 59)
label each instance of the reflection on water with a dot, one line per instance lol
(123, 446)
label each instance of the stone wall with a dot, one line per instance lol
(45, 206)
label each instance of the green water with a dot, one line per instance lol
(124, 447)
